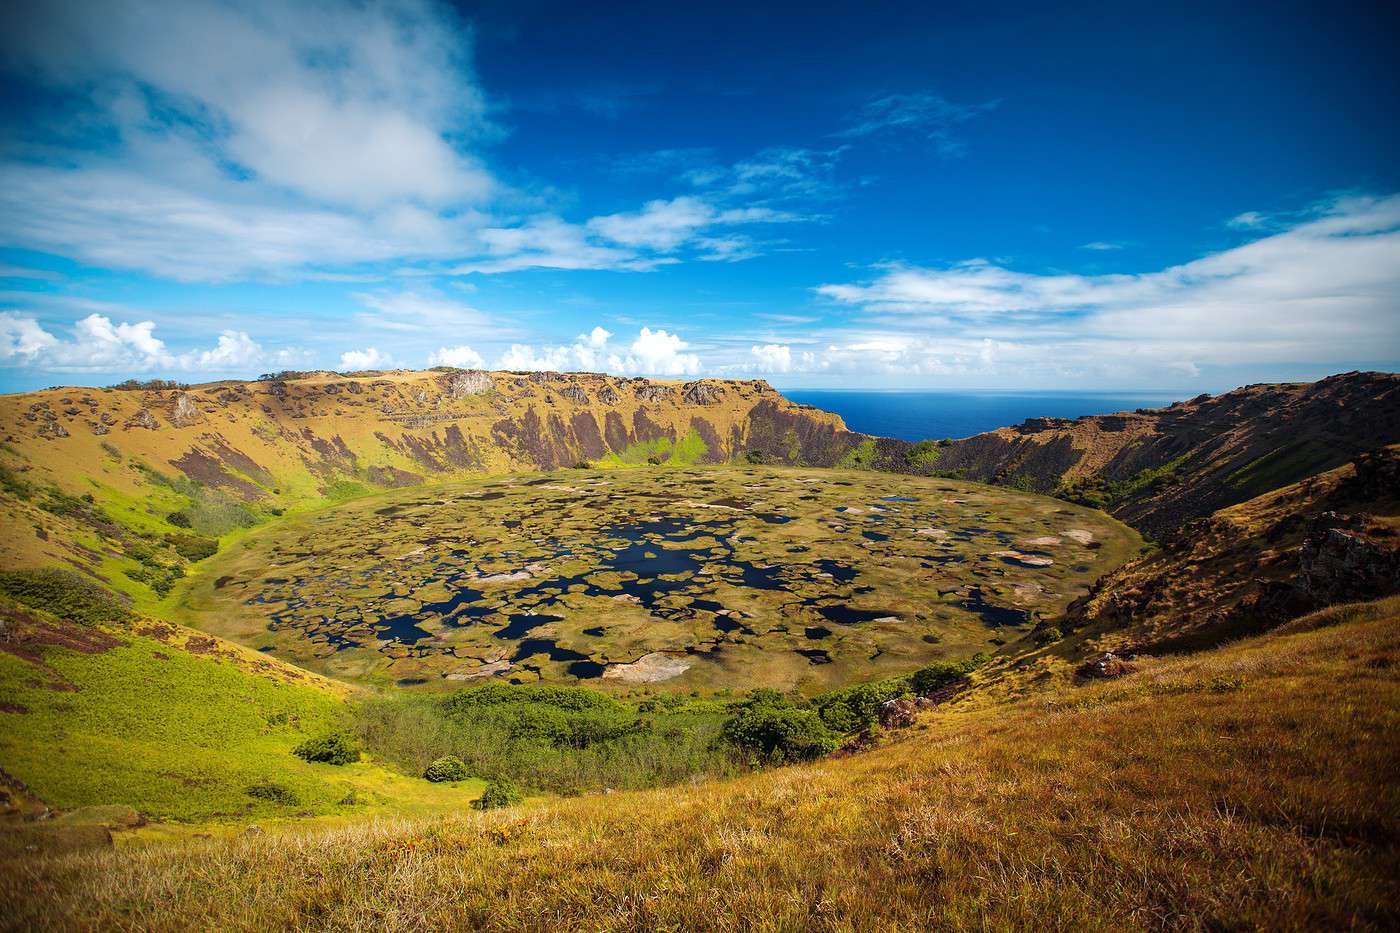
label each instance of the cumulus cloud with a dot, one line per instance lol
(461, 356)
(1325, 290)
(652, 353)
(98, 344)
(369, 358)
(655, 352)
(771, 358)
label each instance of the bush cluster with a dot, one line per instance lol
(942, 673)
(498, 794)
(334, 749)
(274, 792)
(552, 738)
(777, 728)
(65, 594)
(445, 769)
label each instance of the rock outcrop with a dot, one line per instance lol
(467, 383)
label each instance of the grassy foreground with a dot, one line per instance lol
(1249, 786)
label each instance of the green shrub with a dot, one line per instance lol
(853, 708)
(178, 519)
(778, 730)
(334, 749)
(498, 794)
(922, 454)
(192, 548)
(1048, 634)
(940, 674)
(446, 768)
(65, 594)
(271, 791)
(12, 484)
(560, 716)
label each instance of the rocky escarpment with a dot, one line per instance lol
(291, 437)
(1157, 469)
(1330, 539)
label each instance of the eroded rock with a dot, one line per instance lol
(897, 714)
(648, 669)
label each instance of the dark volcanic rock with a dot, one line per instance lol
(702, 393)
(1339, 564)
(897, 714)
(143, 419)
(1106, 666)
(653, 392)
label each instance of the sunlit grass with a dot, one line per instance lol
(1251, 786)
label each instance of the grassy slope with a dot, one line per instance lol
(1251, 785)
(178, 726)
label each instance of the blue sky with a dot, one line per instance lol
(916, 195)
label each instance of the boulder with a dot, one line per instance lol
(574, 394)
(648, 669)
(608, 395)
(1105, 667)
(897, 714)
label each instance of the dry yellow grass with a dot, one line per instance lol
(1253, 786)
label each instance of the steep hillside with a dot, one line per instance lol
(1329, 540)
(1158, 468)
(118, 481)
(1250, 787)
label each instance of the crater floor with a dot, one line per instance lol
(698, 578)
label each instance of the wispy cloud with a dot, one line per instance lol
(921, 113)
(1324, 290)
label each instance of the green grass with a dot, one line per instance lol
(178, 736)
(1281, 466)
(552, 739)
(859, 457)
(686, 451)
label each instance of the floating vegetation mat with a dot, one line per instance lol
(688, 578)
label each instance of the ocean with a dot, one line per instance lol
(916, 416)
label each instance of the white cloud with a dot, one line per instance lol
(99, 345)
(1324, 291)
(344, 103)
(657, 353)
(659, 225)
(461, 356)
(1102, 246)
(652, 353)
(418, 310)
(1248, 220)
(368, 358)
(771, 358)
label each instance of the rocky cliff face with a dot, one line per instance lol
(288, 439)
(1332, 538)
(1159, 468)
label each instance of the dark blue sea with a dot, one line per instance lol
(916, 416)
